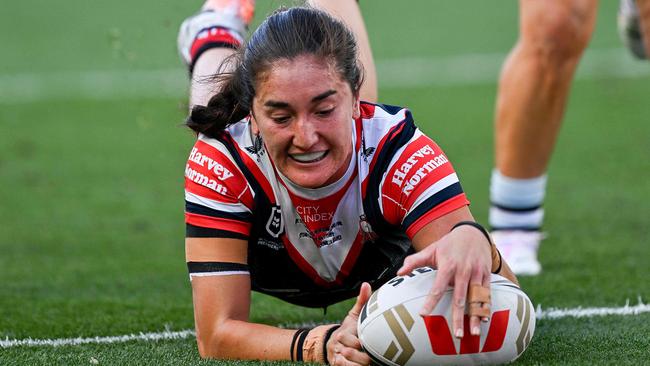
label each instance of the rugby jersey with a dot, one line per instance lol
(314, 247)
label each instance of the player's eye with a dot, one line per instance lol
(280, 119)
(325, 112)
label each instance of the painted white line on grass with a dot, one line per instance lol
(550, 313)
(556, 313)
(154, 336)
(465, 69)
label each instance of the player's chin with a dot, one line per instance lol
(311, 178)
(310, 175)
(310, 182)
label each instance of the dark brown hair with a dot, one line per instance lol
(286, 34)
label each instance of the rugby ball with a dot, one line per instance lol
(392, 331)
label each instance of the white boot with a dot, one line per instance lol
(629, 28)
(233, 15)
(519, 249)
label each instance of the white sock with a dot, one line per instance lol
(516, 204)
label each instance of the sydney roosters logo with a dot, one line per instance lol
(256, 148)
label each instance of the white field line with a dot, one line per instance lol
(580, 312)
(465, 69)
(550, 313)
(154, 336)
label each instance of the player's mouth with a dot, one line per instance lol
(308, 158)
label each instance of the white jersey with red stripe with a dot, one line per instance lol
(315, 246)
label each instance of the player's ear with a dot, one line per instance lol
(356, 107)
(254, 128)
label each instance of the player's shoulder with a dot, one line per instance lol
(228, 146)
(383, 112)
(213, 153)
(212, 168)
(382, 122)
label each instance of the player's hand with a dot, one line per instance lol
(344, 347)
(462, 258)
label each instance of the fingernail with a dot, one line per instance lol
(476, 331)
(459, 333)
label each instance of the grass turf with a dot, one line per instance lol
(91, 216)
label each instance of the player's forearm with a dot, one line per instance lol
(235, 339)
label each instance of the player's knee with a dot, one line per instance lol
(560, 34)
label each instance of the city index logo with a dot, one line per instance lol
(442, 342)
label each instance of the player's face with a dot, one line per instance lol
(304, 111)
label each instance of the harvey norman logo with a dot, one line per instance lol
(204, 180)
(400, 174)
(219, 170)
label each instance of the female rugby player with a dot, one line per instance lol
(297, 188)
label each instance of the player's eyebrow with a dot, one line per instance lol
(318, 98)
(274, 104)
(324, 95)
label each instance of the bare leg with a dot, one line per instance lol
(644, 17)
(535, 82)
(207, 64)
(532, 96)
(350, 13)
(234, 15)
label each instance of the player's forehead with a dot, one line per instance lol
(305, 77)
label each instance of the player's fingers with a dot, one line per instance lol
(439, 287)
(351, 356)
(348, 340)
(364, 294)
(476, 310)
(461, 282)
(339, 360)
(423, 258)
(475, 325)
(487, 279)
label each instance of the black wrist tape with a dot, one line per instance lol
(328, 335)
(297, 334)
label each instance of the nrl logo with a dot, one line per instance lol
(275, 225)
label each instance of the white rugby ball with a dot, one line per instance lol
(393, 333)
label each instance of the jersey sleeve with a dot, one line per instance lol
(419, 186)
(218, 198)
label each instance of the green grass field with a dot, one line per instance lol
(92, 96)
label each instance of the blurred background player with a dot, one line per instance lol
(532, 96)
(634, 32)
